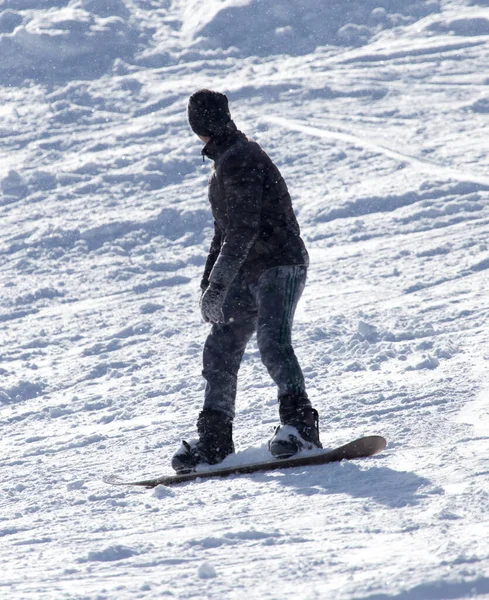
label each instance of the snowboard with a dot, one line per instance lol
(361, 448)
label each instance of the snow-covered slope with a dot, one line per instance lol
(377, 114)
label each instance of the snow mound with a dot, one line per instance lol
(261, 27)
(481, 105)
(474, 24)
(80, 39)
(23, 390)
(206, 571)
(109, 554)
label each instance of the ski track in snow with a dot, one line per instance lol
(378, 118)
(424, 166)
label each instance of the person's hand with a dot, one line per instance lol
(211, 303)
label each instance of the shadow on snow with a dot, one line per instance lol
(386, 486)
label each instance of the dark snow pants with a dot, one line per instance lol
(266, 307)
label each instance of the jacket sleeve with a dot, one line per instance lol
(242, 178)
(211, 257)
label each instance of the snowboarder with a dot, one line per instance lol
(253, 279)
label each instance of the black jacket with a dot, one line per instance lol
(255, 225)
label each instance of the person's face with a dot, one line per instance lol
(204, 138)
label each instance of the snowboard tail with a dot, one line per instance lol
(361, 448)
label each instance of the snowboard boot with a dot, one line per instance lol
(215, 442)
(299, 429)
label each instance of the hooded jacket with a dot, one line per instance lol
(255, 227)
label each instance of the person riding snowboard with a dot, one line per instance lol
(253, 278)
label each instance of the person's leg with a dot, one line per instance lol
(277, 294)
(223, 351)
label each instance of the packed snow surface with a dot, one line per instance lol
(377, 113)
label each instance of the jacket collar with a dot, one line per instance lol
(218, 145)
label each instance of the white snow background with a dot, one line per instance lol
(377, 113)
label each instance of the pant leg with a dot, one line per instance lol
(225, 346)
(277, 293)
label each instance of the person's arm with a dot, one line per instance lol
(242, 181)
(211, 257)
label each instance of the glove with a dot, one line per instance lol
(211, 303)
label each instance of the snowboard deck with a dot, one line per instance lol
(361, 448)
